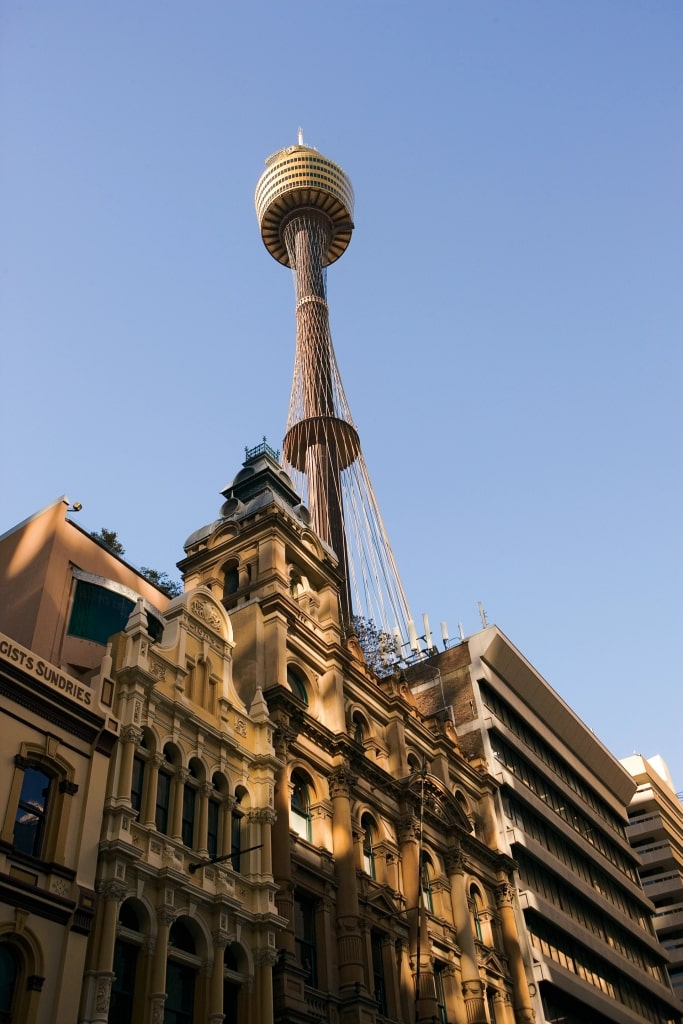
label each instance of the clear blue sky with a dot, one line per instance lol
(507, 318)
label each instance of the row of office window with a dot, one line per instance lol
(554, 798)
(502, 710)
(586, 869)
(548, 885)
(560, 947)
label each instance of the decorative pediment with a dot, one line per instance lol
(494, 963)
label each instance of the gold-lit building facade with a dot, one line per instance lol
(259, 828)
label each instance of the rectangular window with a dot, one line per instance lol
(137, 783)
(31, 818)
(236, 841)
(305, 939)
(98, 613)
(212, 837)
(163, 798)
(378, 973)
(189, 801)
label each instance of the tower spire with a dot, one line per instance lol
(304, 204)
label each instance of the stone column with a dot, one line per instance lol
(157, 995)
(129, 739)
(349, 944)
(261, 820)
(153, 765)
(282, 862)
(423, 968)
(203, 794)
(176, 816)
(110, 893)
(472, 988)
(521, 997)
(216, 1015)
(264, 961)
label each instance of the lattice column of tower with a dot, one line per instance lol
(304, 204)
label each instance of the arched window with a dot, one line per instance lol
(10, 966)
(300, 816)
(426, 882)
(296, 685)
(129, 941)
(369, 828)
(477, 907)
(231, 579)
(181, 975)
(30, 823)
(414, 763)
(359, 727)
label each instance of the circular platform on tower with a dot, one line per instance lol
(300, 178)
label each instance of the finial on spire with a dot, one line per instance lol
(301, 135)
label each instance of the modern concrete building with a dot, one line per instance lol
(560, 803)
(655, 832)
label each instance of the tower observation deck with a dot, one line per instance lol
(304, 205)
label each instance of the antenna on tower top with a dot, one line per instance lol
(301, 135)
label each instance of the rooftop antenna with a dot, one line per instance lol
(482, 615)
(301, 135)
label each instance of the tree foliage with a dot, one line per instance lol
(377, 645)
(172, 588)
(110, 540)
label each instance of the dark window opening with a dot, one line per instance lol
(30, 823)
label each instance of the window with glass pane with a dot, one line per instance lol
(296, 684)
(212, 830)
(378, 973)
(180, 985)
(189, 804)
(9, 972)
(137, 783)
(305, 938)
(300, 817)
(440, 993)
(476, 913)
(31, 818)
(367, 825)
(97, 612)
(123, 985)
(163, 801)
(427, 900)
(236, 840)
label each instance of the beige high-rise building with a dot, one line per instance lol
(655, 832)
(560, 806)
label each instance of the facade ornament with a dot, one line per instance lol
(240, 726)
(341, 780)
(110, 889)
(204, 611)
(131, 734)
(505, 895)
(157, 668)
(455, 861)
(103, 992)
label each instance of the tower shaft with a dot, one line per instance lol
(307, 236)
(304, 206)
